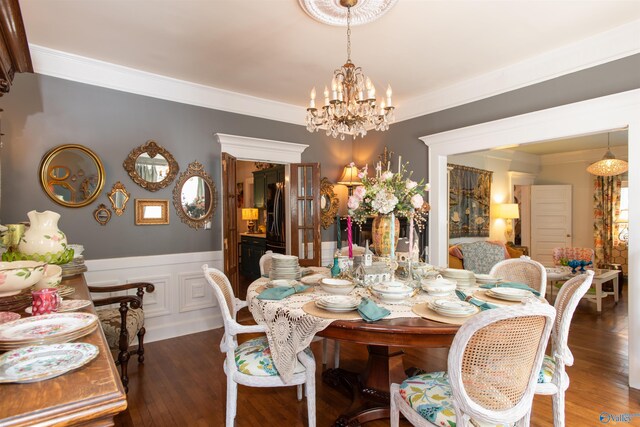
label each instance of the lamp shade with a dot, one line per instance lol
(350, 176)
(608, 166)
(507, 211)
(249, 214)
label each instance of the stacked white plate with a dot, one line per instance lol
(463, 278)
(284, 267)
(391, 292)
(338, 303)
(487, 279)
(453, 308)
(438, 286)
(283, 283)
(509, 294)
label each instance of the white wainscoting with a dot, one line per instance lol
(182, 303)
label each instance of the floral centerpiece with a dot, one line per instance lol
(389, 193)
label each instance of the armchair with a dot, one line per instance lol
(128, 313)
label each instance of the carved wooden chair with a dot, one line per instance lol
(522, 270)
(250, 363)
(129, 313)
(493, 367)
(553, 379)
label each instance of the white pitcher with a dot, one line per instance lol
(43, 235)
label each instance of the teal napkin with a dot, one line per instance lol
(510, 285)
(478, 303)
(280, 292)
(370, 311)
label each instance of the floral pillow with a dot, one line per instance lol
(253, 357)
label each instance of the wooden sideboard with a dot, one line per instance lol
(89, 396)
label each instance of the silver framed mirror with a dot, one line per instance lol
(195, 197)
(151, 166)
(118, 197)
(58, 169)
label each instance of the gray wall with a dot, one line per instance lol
(42, 112)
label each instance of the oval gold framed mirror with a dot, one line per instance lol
(329, 203)
(195, 196)
(71, 160)
(151, 166)
(118, 197)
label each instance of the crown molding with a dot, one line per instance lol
(601, 48)
(604, 47)
(258, 149)
(81, 69)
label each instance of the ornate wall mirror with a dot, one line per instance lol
(151, 166)
(119, 197)
(102, 214)
(195, 196)
(152, 211)
(71, 160)
(329, 203)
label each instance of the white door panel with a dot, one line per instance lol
(550, 220)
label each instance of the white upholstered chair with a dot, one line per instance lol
(250, 363)
(522, 270)
(493, 367)
(553, 379)
(265, 267)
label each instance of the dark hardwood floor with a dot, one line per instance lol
(182, 382)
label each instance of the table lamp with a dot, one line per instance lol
(350, 178)
(250, 215)
(508, 212)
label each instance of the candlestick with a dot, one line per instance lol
(338, 227)
(399, 164)
(393, 234)
(411, 238)
(349, 237)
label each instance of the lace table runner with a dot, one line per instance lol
(291, 329)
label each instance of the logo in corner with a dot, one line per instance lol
(605, 417)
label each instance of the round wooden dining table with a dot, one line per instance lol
(384, 340)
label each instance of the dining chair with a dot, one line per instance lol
(129, 313)
(250, 363)
(553, 379)
(265, 267)
(522, 270)
(493, 367)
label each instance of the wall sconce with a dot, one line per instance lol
(350, 178)
(623, 219)
(508, 212)
(250, 215)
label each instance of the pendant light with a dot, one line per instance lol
(609, 165)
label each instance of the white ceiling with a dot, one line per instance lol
(618, 138)
(272, 49)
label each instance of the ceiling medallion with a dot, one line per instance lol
(331, 12)
(350, 108)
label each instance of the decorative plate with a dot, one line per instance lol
(67, 305)
(509, 294)
(37, 363)
(46, 326)
(8, 316)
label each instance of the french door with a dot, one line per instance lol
(229, 220)
(304, 202)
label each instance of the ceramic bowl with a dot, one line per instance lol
(18, 275)
(337, 286)
(438, 285)
(77, 250)
(51, 278)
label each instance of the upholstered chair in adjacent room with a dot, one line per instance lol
(245, 363)
(129, 313)
(522, 270)
(553, 378)
(493, 368)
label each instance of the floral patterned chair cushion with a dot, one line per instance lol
(430, 396)
(110, 320)
(253, 357)
(548, 368)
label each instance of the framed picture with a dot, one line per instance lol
(469, 201)
(152, 211)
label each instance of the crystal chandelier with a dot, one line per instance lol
(350, 107)
(609, 165)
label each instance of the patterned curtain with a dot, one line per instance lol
(606, 207)
(469, 201)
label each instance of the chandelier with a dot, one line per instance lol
(350, 107)
(609, 165)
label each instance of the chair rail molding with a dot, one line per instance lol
(182, 302)
(596, 115)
